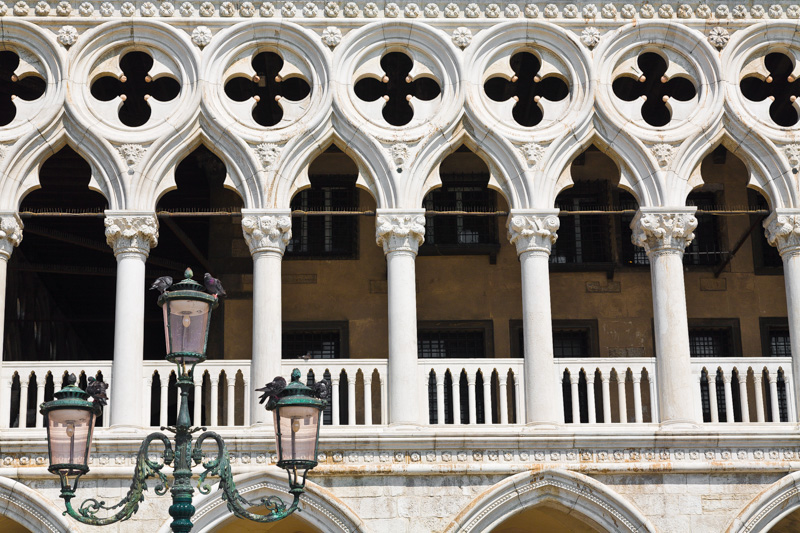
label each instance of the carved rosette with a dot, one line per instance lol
(782, 229)
(267, 233)
(658, 232)
(135, 234)
(400, 231)
(10, 234)
(533, 232)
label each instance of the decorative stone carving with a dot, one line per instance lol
(718, 37)
(131, 233)
(267, 232)
(782, 229)
(399, 153)
(10, 234)
(663, 231)
(131, 154)
(400, 232)
(792, 152)
(533, 232)
(462, 37)
(267, 154)
(331, 36)
(533, 153)
(590, 37)
(664, 153)
(67, 36)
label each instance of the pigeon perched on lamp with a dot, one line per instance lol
(213, 285)
(161, 284)
(97, 390)
(271, 391)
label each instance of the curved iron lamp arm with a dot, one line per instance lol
(221, 467)
(145, 468)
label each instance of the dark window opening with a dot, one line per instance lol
(527, 87)
(780, 85)
(62, 278)
(30, 87)
(775, 340)
(706, 248)
(583, 238)
(314, 340)
(329, 236)
(571, 338)
(455, 340)
(631, 254)
(397, 88)
(714, 338)
(655, 87)
(766, 258)
(267, 88)
(135, 86)
(461, 233)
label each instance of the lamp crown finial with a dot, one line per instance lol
(296, 375)
(188, 274)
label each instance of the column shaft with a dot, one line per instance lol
(10, 237)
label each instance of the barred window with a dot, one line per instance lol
(454, 340)
(775, 341)
(714, 338)
(631, 255)
(328, 236)
(706, 248)
(314, 340)
(583, 238)
(571, 338)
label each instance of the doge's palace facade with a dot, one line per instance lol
(135, 86)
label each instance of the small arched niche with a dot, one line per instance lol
(61, 279)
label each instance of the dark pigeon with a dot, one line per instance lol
(161, 284)
(97, 390)
(213, 285)
(271, 391)
(321, 389)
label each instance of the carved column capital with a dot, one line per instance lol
(267, 231)
(10, 234)
(664, 230)
(400, 229)
(533, 231)
(131, 232)
(782, 229)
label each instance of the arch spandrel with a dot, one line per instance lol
(769, 507)
(579, 493)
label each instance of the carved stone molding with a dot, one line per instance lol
(533, 231)
(670, 230)
(10, 234)
(782, 229)
(400, 230)
(128, 232)
(267, 231)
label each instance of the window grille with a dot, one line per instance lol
(461, 192)
(451, 343)
(571, 342)
(571, 338)
(323, 342)
(705, 249)
(325, 236)
(775, 340)
(583, 238)
(711, 342)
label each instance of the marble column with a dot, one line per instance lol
(267, 233)
(131, 235)
(400, 232)
(664, 233)
(534, 233)
(10, 237)
(782, 229)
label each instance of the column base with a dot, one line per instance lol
(125, 428)
(679, 425)
(404, 426)
(541, 426)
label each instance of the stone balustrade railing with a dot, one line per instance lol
(747, 389)
(618, 390)
(459, 391)
(486, 391)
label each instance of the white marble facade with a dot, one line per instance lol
(672, 474)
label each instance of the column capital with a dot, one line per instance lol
(131, 232)
(10, 234)
(267, 230)
(533, 231)
(664, 229)
(782, 229)
(400, 229)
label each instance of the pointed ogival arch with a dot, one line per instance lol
(571, 490)
(30, 509)
(320, 508)
(769, 507)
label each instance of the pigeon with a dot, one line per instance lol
(213, 285)
(97, 390)
(161, 284)
(271, 391)
(322, 389)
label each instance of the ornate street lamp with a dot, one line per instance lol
(71, 416)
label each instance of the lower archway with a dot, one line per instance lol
(570, 502)
(321, 511)
(23, 509)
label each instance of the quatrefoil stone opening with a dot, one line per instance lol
(778, 90)
(398, 88)
(27, 86)
(658, 91)
(135, 87)
(267, 89)
(527, 88)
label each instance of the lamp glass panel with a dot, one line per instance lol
(70, 432)
(185, 323)
(297, 427)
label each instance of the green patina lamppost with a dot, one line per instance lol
(70, 420)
